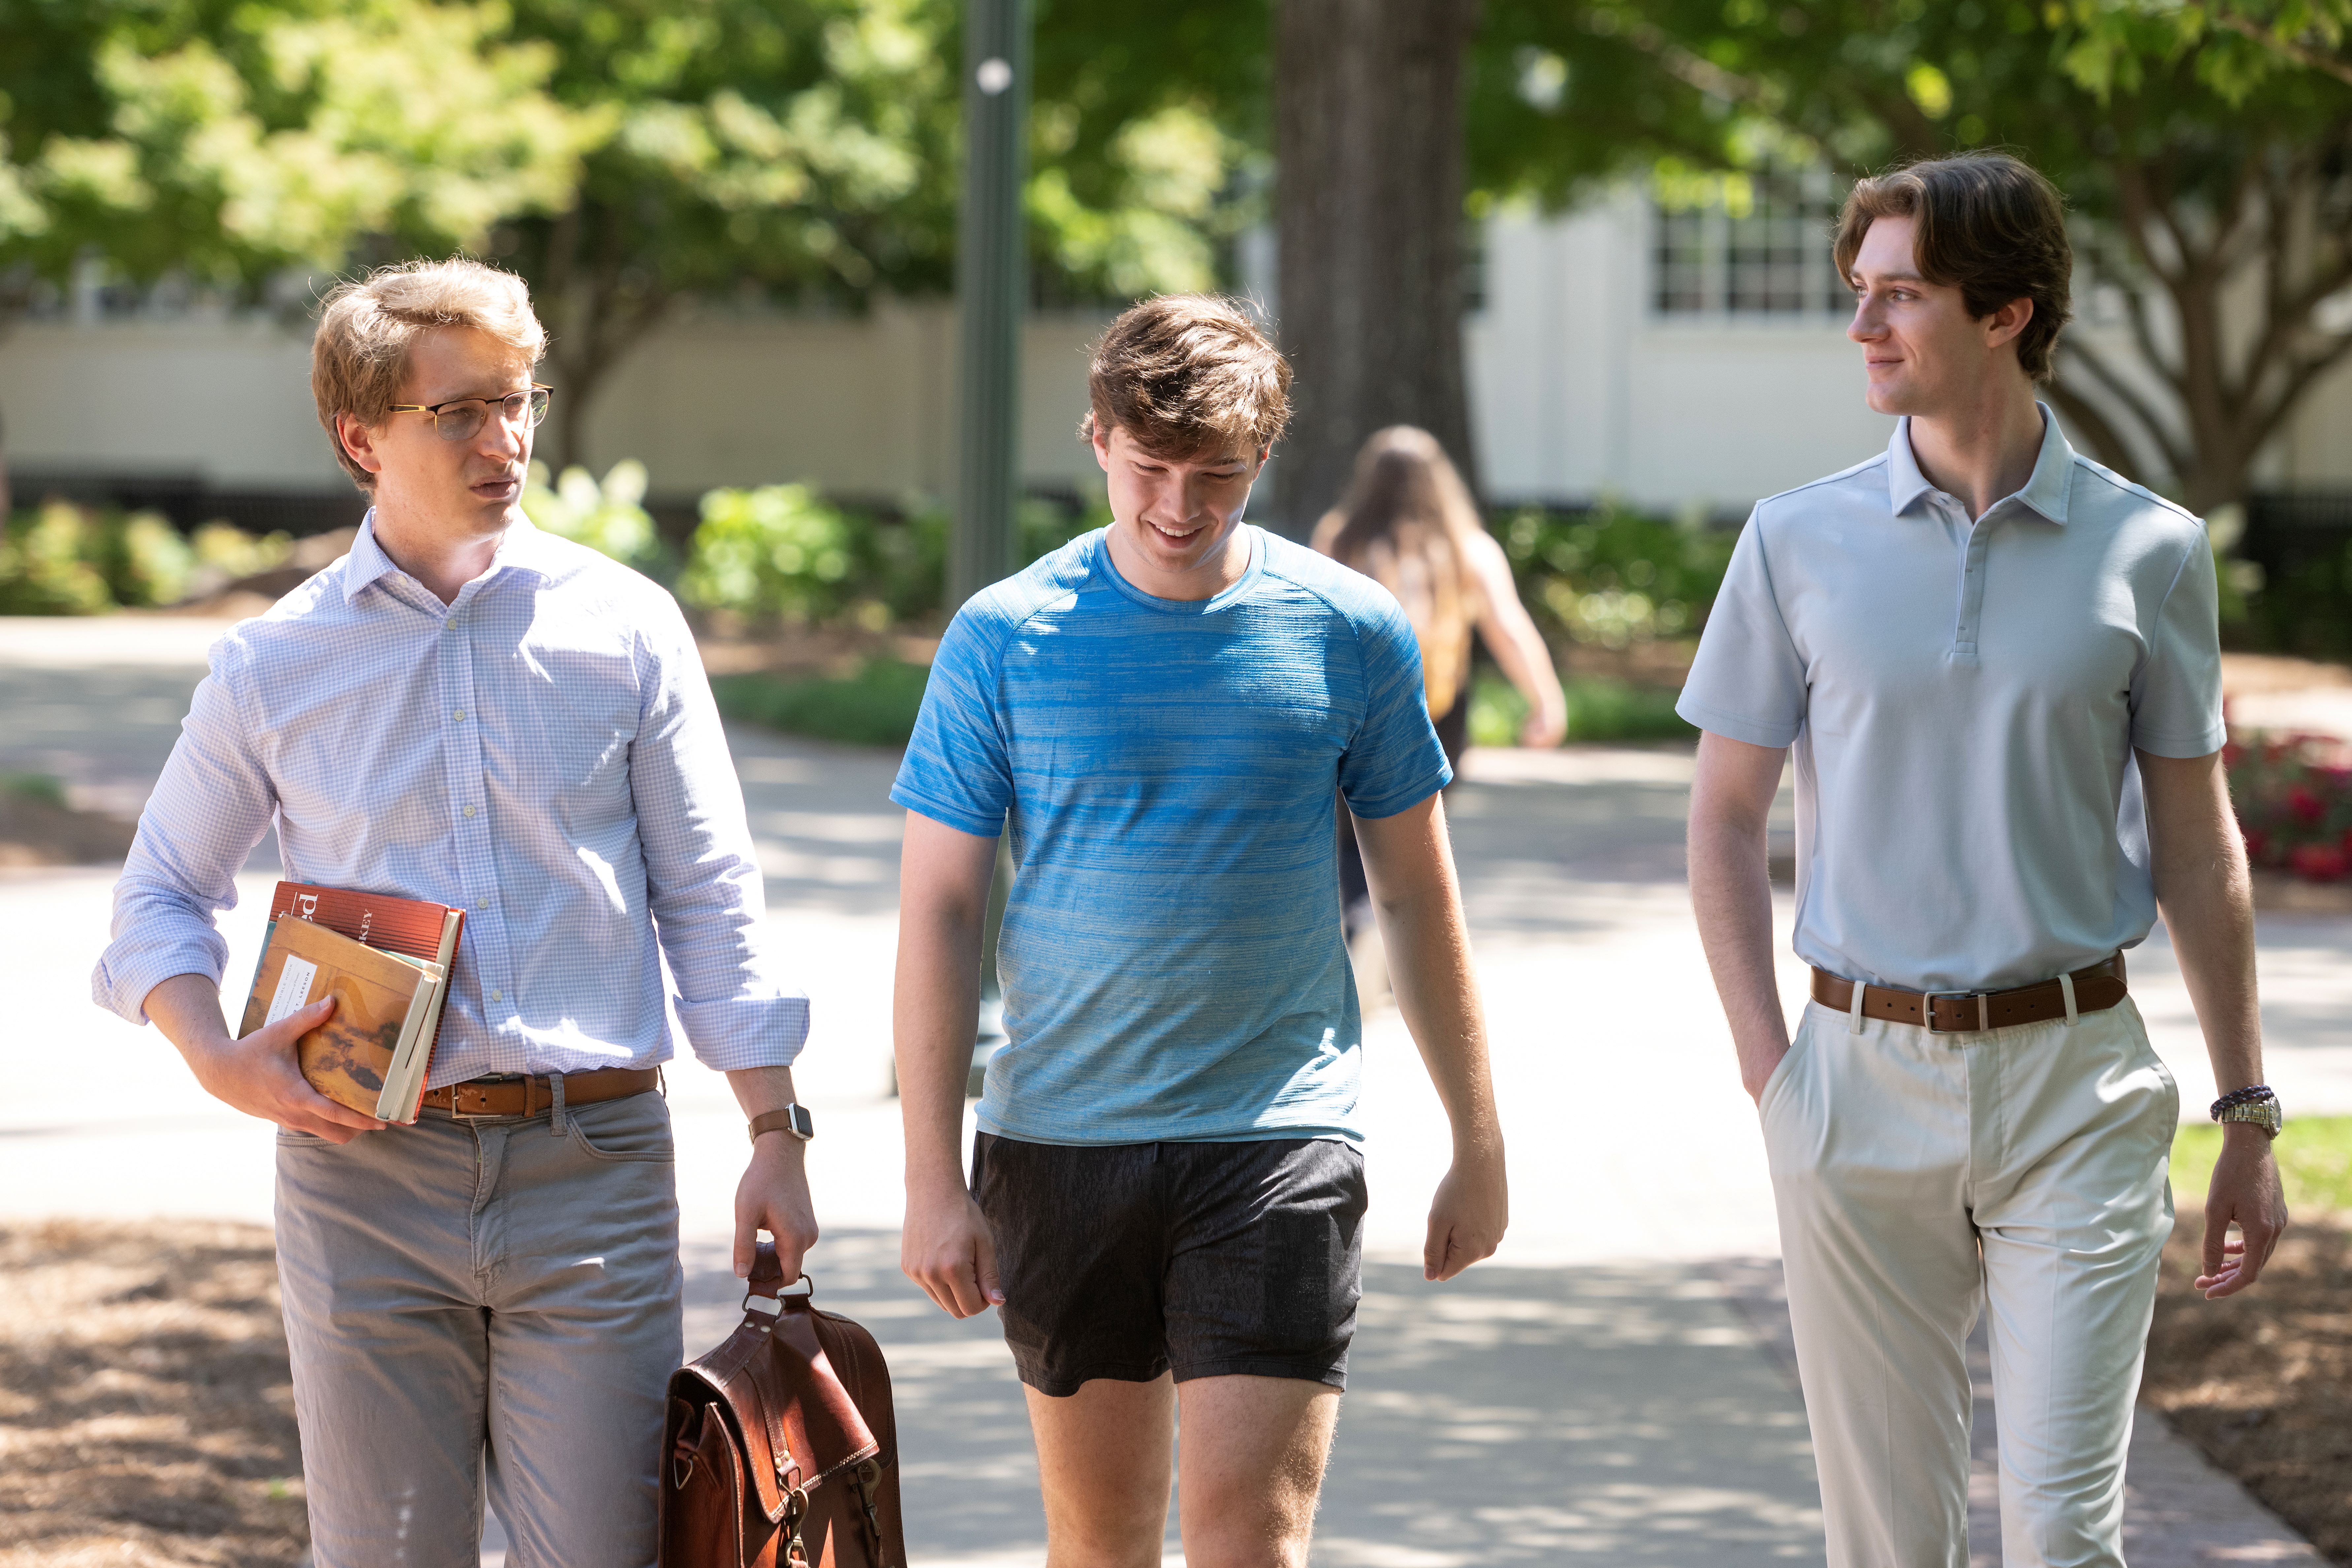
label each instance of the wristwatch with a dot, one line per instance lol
(2255, 1103)
(793, 1118)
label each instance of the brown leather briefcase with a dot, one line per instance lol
(780, 1449)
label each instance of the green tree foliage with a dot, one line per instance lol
(2206, 149)
(796, 149)
(231, 140)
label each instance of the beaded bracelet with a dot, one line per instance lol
(2245, 1096)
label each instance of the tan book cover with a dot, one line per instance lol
(384, 1007)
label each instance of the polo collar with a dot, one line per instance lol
(524, 548)
(2045, 491)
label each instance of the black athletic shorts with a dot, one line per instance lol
(1127, 1260)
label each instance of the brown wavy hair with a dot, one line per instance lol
(1990, 223)
(1186, 374)
(1408, 522)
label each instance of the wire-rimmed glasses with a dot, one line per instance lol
(460, 418)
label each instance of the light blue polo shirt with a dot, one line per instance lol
(1169, 771)
(1964, 701)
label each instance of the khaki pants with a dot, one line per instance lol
(1922, 1176)
(505, 1285)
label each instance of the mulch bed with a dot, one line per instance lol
(37, 832)
(146, 1414)
(2263, 1381)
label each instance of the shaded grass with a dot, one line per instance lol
(1597, 710)
(2315, 1161)
(875, 706)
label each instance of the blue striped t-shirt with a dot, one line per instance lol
(1170, 959)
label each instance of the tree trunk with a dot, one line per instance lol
(1370, 158)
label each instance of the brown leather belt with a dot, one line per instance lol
(2097, 988)
(534, 1095)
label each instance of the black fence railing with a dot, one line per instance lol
(2302, 541)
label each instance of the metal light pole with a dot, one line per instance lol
(991, 290)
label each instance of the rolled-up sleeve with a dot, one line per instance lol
(210, 807)
(702, 870)
(1748, 681)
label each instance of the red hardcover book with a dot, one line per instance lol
(413, 926)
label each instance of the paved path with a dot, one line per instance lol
(1610, 1388)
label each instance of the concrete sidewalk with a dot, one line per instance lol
(1610, 1387)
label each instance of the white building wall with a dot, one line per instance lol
(1578, 387)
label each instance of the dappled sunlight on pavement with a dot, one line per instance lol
(1609, 1389)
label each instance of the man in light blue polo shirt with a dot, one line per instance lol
(1166, 1196)
(1996, 662)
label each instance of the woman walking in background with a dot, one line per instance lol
(1408, 522)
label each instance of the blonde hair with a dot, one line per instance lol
(1185, 374)
(366, 326)
(1407, 521)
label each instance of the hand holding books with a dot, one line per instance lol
(260, 1074)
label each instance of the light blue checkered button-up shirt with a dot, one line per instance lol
(544, 752)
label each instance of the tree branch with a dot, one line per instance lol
(2092, 420)
(2300, 54)
(2168, 450)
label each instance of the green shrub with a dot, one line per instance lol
(1597, 711)
(1612, 577)
(876, 707)
(42, 568)
(40, 787)
(225, 554)
(777, 553)
(609, 518)
(65, 560)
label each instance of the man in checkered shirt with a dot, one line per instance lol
(468, 710)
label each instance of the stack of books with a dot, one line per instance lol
(386, 963)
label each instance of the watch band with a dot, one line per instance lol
(793, 1118)
(2256, 1104)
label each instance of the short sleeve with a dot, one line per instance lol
(2176, 697)
(1747, 682)
(956, 769)
(1395, 760)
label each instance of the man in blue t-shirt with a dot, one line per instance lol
(1166, 1193)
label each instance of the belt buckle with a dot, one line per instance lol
(1927, 1011)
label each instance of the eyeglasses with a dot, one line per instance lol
(460, 418)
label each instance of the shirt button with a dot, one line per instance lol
(498, 995)
(469, 811)
(459, 715)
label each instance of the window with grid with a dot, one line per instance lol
(1772, 259)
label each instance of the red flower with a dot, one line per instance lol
(2256, 842)
(2307, 807)
(2233, 753)
(2320, 862)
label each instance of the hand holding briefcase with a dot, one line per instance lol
(781, 1450)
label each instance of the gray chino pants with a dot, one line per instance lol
(462, 1286)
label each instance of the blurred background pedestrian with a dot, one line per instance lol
(1408, 522)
